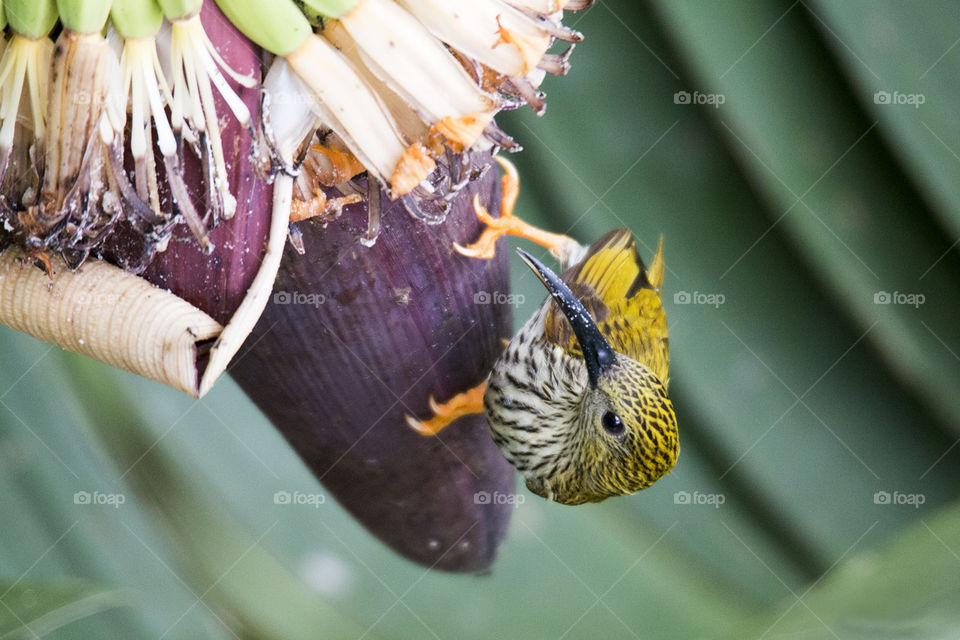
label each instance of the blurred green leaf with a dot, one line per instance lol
(230, 573)
(799, 131)
(902, 58)
(34, 610)
(908, 589)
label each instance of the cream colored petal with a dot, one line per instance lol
(404, 55)
(491, 32)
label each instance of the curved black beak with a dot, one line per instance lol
(597, 352)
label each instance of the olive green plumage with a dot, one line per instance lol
(578, 400)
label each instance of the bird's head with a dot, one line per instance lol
(625, 436)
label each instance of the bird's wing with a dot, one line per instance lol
(623, 296)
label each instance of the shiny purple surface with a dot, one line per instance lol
(353, 338)
(218, 282)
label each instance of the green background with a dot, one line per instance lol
(787, 210)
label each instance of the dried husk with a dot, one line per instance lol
(103, 312)
(355, 337)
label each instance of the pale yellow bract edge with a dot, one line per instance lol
(250, 310)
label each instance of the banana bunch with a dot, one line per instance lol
(101, 100)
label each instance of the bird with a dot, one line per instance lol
(577, 401)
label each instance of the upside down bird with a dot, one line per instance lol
(577, 401)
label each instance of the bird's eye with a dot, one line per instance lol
(612, 423)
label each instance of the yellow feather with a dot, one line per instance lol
(624, 299)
